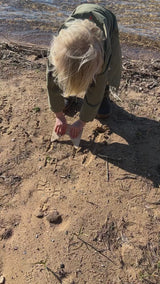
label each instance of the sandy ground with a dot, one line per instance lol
(87, 216)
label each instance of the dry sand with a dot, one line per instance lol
(90, 216)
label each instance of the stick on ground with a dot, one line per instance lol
(91, 246)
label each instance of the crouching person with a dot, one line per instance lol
(85, 56)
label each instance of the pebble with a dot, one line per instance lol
(102, 265)
(7, 234)
(2, 279)
(39, 213)
(62, 266)
(54, 217)
(15, 248)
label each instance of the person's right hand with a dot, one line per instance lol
(61, 124)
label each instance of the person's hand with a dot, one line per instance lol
(61, 124)
(76, 128)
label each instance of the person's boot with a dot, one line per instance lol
(105, 107)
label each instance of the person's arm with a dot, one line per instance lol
(56, 100)
(91, 104)
(93, 99)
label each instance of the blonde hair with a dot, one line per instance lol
(77, 56)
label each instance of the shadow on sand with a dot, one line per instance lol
(141, 154)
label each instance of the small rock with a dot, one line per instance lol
(102, 265)
(2, 279)
(101, 129)
(39, 213)
(45, 207)
(54, 217)
(62, 266)
(15, 248)
(7, 234)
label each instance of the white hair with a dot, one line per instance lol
(77, 55)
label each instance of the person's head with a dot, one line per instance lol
(77, 56)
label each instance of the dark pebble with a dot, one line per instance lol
(54, 217)
(7, 234)
(39, 213)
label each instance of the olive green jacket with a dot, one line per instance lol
(111, 72)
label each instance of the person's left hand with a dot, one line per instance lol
(76, 128)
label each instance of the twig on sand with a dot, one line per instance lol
(126, 177)
(92, 203)
(49, 269)
(55, 275)
(107, 169)
(154, 203)
(91, 246)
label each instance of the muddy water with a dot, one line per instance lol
(35, 21)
